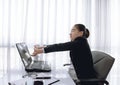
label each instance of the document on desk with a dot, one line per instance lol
(30, 81)
(23, 81)
(52, 81)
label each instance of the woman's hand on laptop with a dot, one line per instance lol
(38, 50)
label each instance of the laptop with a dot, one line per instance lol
(29, 64)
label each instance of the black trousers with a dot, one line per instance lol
(86, 83)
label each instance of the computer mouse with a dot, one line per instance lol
(38, 83)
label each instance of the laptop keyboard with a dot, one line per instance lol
(40, 65)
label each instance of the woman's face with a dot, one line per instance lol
(75, 33)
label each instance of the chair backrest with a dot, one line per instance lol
(102, 63)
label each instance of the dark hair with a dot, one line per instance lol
(81, 27)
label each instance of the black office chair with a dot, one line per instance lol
(102, 65)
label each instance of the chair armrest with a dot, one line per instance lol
(94, 81)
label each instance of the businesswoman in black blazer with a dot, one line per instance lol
(80, 52)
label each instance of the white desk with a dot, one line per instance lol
(16, 78)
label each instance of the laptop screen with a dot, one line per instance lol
(24, 53)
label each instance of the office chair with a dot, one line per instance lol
(102, 65)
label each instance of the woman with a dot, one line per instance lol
(80, 52)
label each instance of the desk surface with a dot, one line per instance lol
(17, 78)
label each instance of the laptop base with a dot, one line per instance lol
(37, 70)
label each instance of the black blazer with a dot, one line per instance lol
(80, 55)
